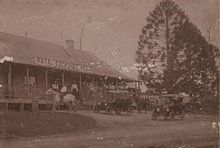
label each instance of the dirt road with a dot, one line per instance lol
(123, 131)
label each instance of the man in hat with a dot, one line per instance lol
(55, 86)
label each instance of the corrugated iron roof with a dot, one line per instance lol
(26, 50)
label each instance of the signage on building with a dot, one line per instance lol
(62, 64)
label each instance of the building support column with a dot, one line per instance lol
(28, 83)
(10, 80)
(63, 78)
(46, 80)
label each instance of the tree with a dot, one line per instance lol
(173, 55)
(154, 53)
(195, 64)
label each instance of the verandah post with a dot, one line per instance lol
(10, 80)
(28, 88)
(28, 83)
(63, 78)
(46, 79)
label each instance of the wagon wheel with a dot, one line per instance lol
(109, 109)
(130, 111)
(154, 116)
(117, 111)
(172, 115)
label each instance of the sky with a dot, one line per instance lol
(111, 27)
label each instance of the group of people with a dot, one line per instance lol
(91, 93)
(64, 89)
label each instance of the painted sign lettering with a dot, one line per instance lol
(62, 64)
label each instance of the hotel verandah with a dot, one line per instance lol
(28, 67)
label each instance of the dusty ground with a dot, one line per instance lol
(124, 131)
(26, 124)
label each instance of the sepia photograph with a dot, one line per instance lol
(109, 74)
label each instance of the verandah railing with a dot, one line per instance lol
(23, 93)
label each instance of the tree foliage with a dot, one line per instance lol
(155, 42)
(172, 55)
(195, 66)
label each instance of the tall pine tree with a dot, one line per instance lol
(154, 53)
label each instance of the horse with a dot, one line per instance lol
(68, 99)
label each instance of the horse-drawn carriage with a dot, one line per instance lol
(117, 101)
(169, 106)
